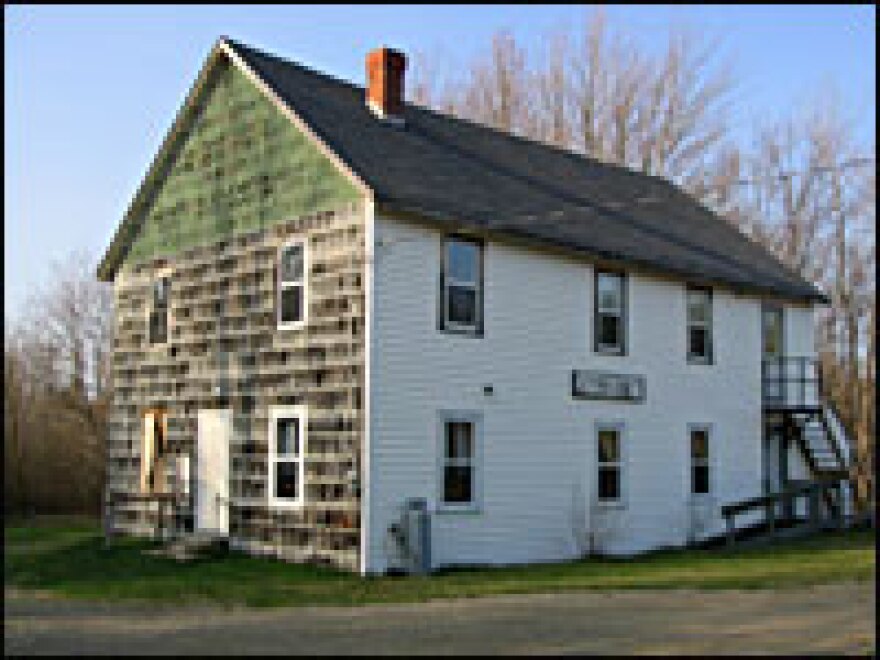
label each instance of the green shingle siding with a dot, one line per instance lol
(240, 166)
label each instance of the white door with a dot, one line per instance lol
(212, 470)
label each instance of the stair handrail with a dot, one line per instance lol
(736, 508)
(813, 490)
(162, 499)
(847, 431)
(844, 461)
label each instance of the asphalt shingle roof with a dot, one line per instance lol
(460, 173)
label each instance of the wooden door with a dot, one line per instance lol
(212, 470)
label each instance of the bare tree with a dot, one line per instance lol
(57, 391)
(596, 92)
(610, 79)
(551, 113)
(794, 191)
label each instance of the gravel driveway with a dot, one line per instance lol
(828, 619)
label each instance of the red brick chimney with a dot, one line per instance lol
(385, 68)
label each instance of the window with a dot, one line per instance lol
(609, 462)
(771, 321)
(292, 269)
(700, 484)
(461, 286)
(459, 462)
(699, 325)
(610, 316)
(287, 446)
(159, 311)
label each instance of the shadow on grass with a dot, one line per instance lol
(77, 562)
(86, 565)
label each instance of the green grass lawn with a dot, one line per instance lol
(70, 558)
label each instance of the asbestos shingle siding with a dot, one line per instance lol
(238, 166)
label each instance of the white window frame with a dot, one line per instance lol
(277, 413)
(448, 281)
(706, 325)
(621, 313)
(476, 419)
(620, 428)
(709, 461)
(303, 284)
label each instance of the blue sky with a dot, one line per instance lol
(91, 90)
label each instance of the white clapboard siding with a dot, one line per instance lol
(538, 454)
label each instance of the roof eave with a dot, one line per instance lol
(454, 224)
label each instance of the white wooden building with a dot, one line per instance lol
(554, 356)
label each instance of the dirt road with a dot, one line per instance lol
(829, 619)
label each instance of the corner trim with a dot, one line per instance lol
(366, 499)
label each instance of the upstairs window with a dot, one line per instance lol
(159, 311)
(287, 446)
(610, 313)
(461, 286)
(292, 285)
(771, 321)
(699, 325)
(700, 461)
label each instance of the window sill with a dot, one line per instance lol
(611, 505)
(461, 511)
(294, 325)
(286, 505)
(697, 362)
(462, 331)
(609, 352)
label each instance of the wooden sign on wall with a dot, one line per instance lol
(606, 386)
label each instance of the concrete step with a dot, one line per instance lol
(193, 545)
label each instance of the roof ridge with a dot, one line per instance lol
(289, 62)
(416, 107)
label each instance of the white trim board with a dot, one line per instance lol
(285, 412)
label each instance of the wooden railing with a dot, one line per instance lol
(791, 382)
(812, 492)
(167, 506)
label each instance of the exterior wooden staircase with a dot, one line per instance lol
(824, 445)
(797, 413)
(782, 517)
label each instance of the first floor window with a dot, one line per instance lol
(292, 285)
(610, 311)
(159, 311)
(699, 325)
(699, 461)
(286, 451)
(609, 486)
(462, 286)
(459, 463)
